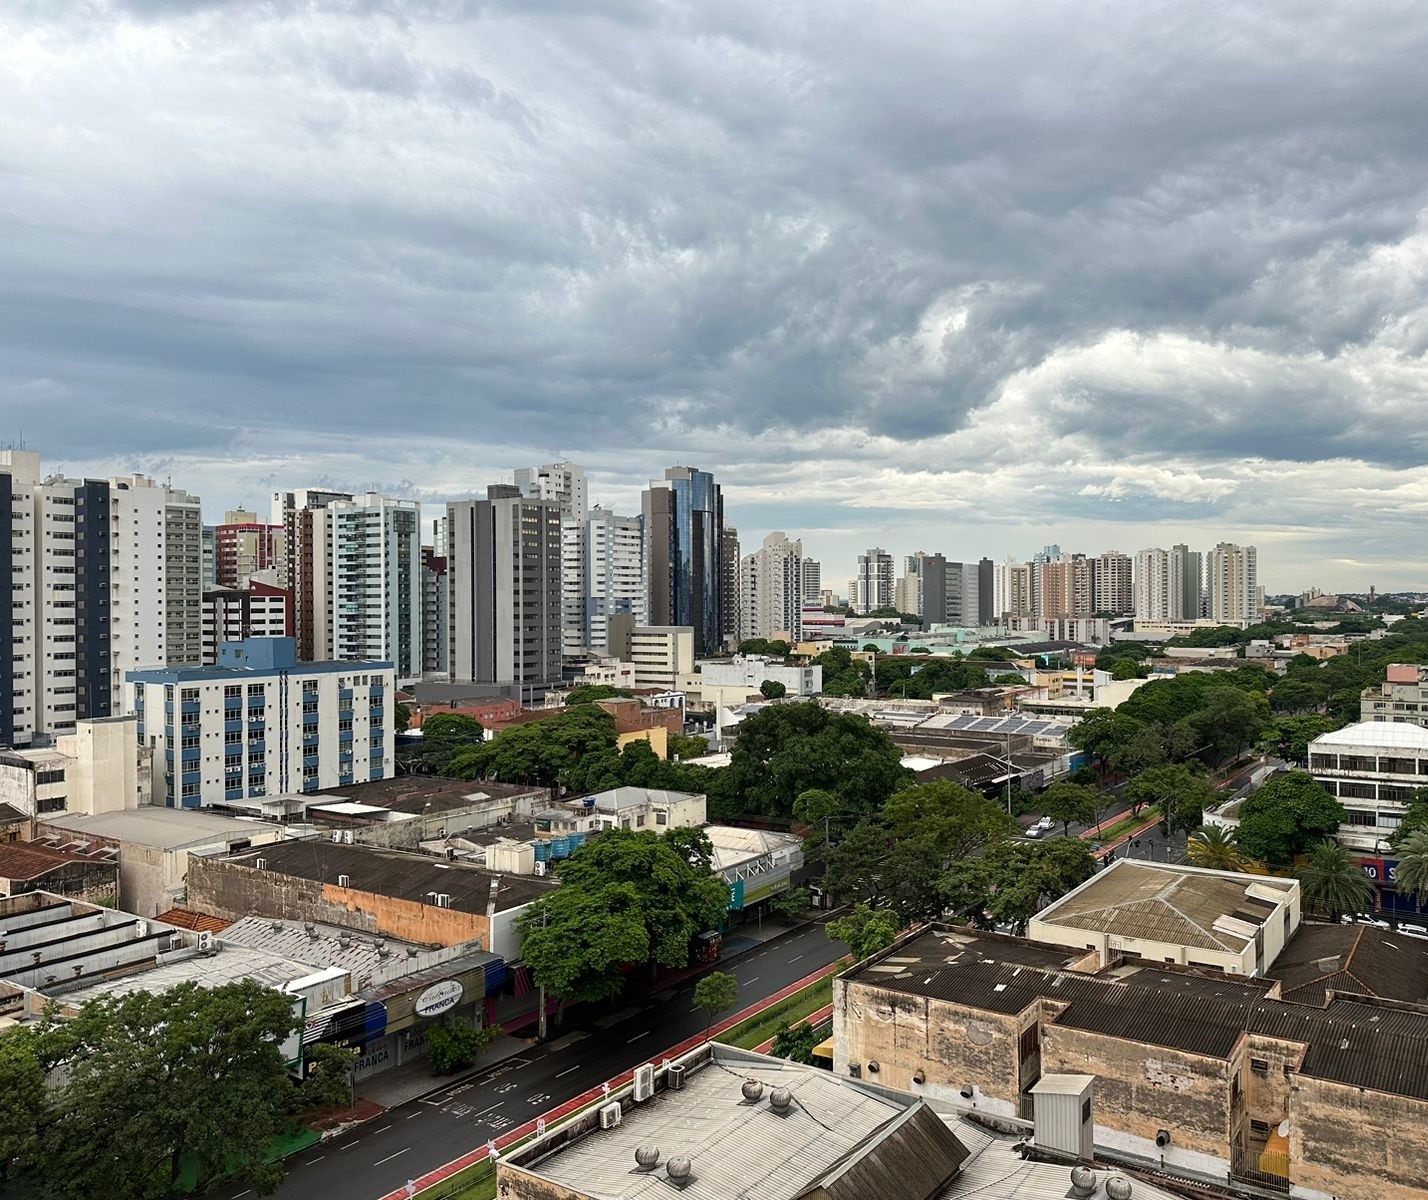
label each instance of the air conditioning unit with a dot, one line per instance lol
(141, 929)
(344, 881)
(609, 1116)
(336, 836)
(540, 867)
(674, 1078)
(347, 836)
(644, 1082)
(205, 942)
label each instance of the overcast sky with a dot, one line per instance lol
(962, 277)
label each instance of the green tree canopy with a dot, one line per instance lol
(764, 648)
(191, 1078)
(1229, 719)
(1214, 848)
(543, 751)
(1013, 881)
(1289, 737)
(772, 689)
(1415, 820)
(23, 1102)
(1286, 816)
(401, 717)
(1298, 695)
(575, 940)
(1180, 790)
(1067, 802)
(588, 693)
(796, 1044)
(1105, 733)
(717, 992)
(787, 749)
(1413, 865)
(952, 819)
(445, 736)
(865, 930)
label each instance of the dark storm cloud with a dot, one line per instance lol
(1114, 250)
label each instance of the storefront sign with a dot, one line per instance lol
(439, 998)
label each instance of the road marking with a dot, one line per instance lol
(318, 1159)
(795, 958)
(561, 1074)
(637, 1037)
(414, 1115)
(484, 1111)
(389, 1157)
(240, 1195)
(346, 1147)
(384, 1128)
(755, 979)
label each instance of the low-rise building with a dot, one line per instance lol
(373, 891)
(757, 864)
(1402, 697)
(1197, 1072)
(646, 808)
(153, 846)
(260, 723)
(1374, 768)
(98, 768)
(89, 875)
(1226, 920)
(747, 673)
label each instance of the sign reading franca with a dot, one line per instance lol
(438, 998)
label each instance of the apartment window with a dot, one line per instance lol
(191, 789)
(255, 689)
(234, 738)
(51, 804)
(54, 775)
(234, 691)
(1260, 1066)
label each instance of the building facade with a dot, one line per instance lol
(874, 584)
(504, 575)
(435, 614)
(613, 577)
(812, 581)
(659, 654)
(771, 589)
(1374, 768)
(305, 562)
(564, 485)
(685, 541)
(1402, 697)
(1233, 583)
(231, 614)
(261, 723)
(242, 546)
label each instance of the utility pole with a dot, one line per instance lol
(540, 988)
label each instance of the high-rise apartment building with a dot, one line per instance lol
(771, 589)
(1159, 591)
(1193, 600)
(564, 485)
(303, 564)
(504, 572)
(613, 575)
(732, 597)
(435, 614)
(369, 608)
(1011, 590)
(103, 576)
(1234, 583)
(812, 580)
(907, 591)
(873, 586)
(235, 614)
(685, 542)
(1113, 584)
(243, 545)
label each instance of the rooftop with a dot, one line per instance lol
(1397, 735)
(320, 946)
(33, 860)
(1210, 910)
(394, 873)
(1368, 1043)
(1360, 959)
(423, 793)
(165, 828)
(10, 815)
(635, 797)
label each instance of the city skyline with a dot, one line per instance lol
(836, 262)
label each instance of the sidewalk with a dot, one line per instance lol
(401, 1085)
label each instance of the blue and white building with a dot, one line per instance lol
(260, 723)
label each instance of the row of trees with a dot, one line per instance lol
(150, 1096)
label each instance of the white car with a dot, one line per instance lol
(1046, 823)
(1034, 832)
(1374, 921)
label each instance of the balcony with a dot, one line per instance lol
(257, 702)
(233, 726)
(309, 718)
(256, 747)
(191, 708)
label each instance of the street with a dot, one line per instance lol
(408, 1141)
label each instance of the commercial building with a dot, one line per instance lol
(377, 892)
(907, 591)
(86, 874)
(98, 768)
(771, 590)
(1402, 697)
(746, 673)
(1374, 768)
(1198, 1073)
(719, 1122)
(685, 542)
(231, 614)
(504, 568)
(612, 579)
(872, 586)
(152, 846)
(732, 600)
(260, 723)
(1227, 920)
(1233, 583)
(243, 546)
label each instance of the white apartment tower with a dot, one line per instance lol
(812, 581)
(611, 574)
(873, 585)
(771, 589)
(564, 485)
(104, 576)
(1113, 583)
(367, 596)
(1011, 590)
(1234, 583)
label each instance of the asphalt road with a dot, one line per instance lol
(408, 1141)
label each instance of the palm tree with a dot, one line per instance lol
(1214, 847)
(1332, 882)
(1413, 865)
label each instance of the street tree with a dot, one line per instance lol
(401, 717)
(855, 863)
(717, 992)
(1297, 696)
(189, 1080)
(588, 693)
(865, 930)
(1332, 882)
(1415, 820)
(1067, 802)
(1104, 734)
(576, 940)
(543, 751)
(795, 1044)
(1413, 865)
(327, 1080)
(444, 735)
(1230, 719)
(1181, 791)
(1214, 848)
(954, 820)
(1290, 813)
(1013, 881)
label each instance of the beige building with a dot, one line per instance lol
(100, 767)
(659, 654)
(1161, 913)
(1195, 1072)
(1402, 697)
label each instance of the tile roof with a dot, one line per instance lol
(10, 815)
(187, 918)
(30, 860)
